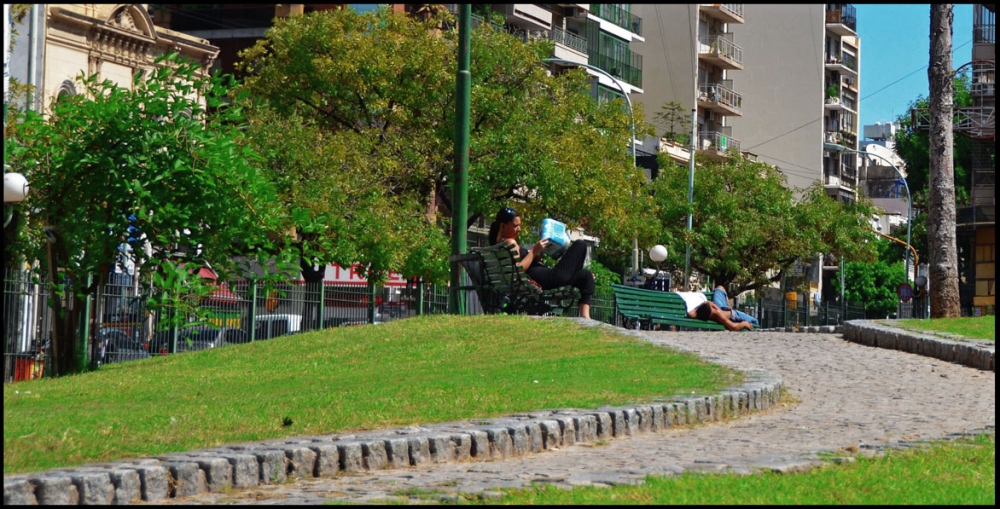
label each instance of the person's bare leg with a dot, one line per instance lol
(585, 311)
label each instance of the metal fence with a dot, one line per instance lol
(120, 326)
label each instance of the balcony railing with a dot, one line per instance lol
(618, 16)
(735, 9)
(719, 94)
(714, 140)
(843, 14)
(571, 41)
(719, 45)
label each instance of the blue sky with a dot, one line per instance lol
(895, 42)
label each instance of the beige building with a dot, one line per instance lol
(56, 43)
(771, 81)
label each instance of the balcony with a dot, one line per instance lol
(717, 145)
(630, 72)
(727, 13)
(722, 52)
(620, 17)
(569, 40)
(843, 64)
(842, 19)
(720, 98)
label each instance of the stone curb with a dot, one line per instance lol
(271, 462)
(973, 353)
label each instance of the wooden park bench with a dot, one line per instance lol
(647, 307)
(504, 287)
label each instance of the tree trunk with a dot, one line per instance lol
(941, 235)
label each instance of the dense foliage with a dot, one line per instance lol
(374, 95)
(748, 227)
(145, 161)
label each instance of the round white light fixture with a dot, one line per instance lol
(15, 187)
(658, 253)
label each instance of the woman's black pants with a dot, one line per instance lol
(568, 271)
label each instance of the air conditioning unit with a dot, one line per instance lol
(983, 89)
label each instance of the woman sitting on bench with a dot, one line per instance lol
(568, 271)
(716, 310)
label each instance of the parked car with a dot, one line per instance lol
(115, 345)
(272, 326)
(197, 338)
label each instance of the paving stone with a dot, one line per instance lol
(244, 470)
(615, 426)
(154, 482)
(519, 440)
(95, 487)
(644, 419)
(374, 455)
(351, 457)
(127, 487)
(551, 434)
(657, 423)
(535, 440)
(501, 445)
(440, 448)
(302, 461)
(188, 479)
(585, 427)
(18, 492)
(55, 489)
(419, 450)
(480, 441)
(272, 465)
(218, 471)
(397, 452)
(328, 458)
(461, 444)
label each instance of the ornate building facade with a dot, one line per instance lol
(56, 43)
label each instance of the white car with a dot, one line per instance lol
(272, 326)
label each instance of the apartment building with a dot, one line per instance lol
(801, 89)
(693, 58)
(768, 81)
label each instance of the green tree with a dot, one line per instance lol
(676, 122)
(875, 284)
(748, 227)
(378, 90)
(148, 157)
(913, 146)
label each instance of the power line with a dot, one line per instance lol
(807, 124)
(911, 74)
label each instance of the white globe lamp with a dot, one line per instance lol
(15, 187)
(658, 253)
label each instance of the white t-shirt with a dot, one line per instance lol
(692, 299)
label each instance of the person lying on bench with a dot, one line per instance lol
(717, 310)
(568, 271)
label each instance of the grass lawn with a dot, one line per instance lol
(418, 370)
(971, 327)
(954, 473)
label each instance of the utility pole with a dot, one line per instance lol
(460, 177)
(941, 234)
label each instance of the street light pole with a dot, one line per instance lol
(631, 116)
(909, 199)
(460, 176)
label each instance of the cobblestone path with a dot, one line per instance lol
(848, 396)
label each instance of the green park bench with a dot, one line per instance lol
(503, 287)
(648, 307)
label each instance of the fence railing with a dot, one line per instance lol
(118, 325)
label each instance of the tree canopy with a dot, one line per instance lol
(748, 228)
(375, 93)
(145, 161)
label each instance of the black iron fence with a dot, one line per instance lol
(120, 326)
